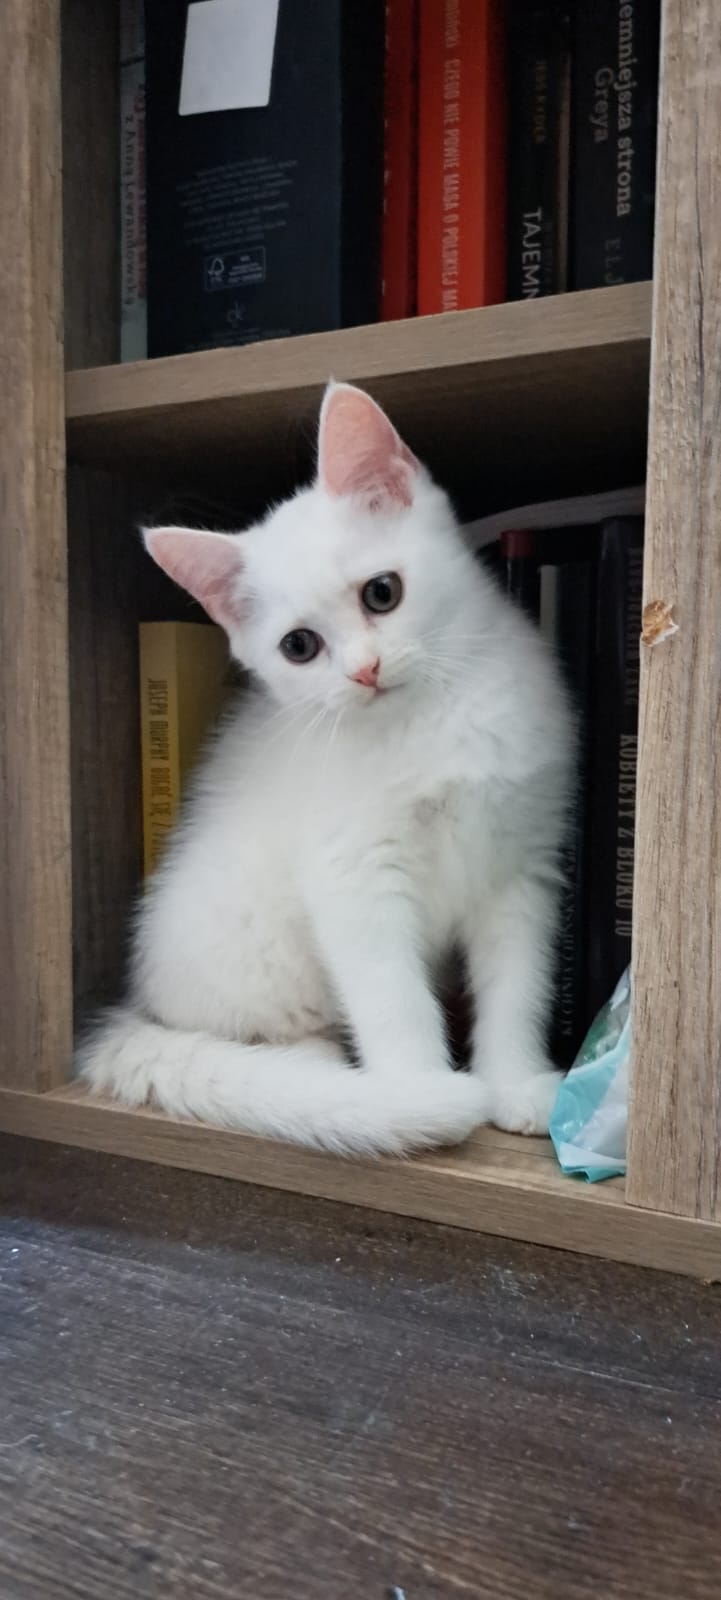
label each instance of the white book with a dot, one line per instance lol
(576, 510)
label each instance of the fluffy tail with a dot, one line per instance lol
(306, 1093)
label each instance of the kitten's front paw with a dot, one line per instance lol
(526, 1105)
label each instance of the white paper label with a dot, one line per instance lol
(228, 57)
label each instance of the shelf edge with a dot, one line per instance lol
(469, 1189)
(513, 331)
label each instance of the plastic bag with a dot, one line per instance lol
(588, 1121)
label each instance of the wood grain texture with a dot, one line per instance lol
(222, 1394)
(675, 1120)
(495, 1184)
(35, 976)
(466, 389)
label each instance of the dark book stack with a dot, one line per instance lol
(582, 93)
(588, 601)
(265, 220)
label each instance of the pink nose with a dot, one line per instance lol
(368, 676)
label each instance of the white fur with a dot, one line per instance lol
(338, 842)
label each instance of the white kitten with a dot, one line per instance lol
(397, 783)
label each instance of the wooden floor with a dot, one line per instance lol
(217, 1391)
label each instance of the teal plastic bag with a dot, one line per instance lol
(588, 1122)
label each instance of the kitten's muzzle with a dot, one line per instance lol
(367, 675)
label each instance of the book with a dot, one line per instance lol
(461, 155)
(575, 639)
(400, 161)
(548, 602)
(563, 153)
(184, 681)
(520, 570)
(568, 561)
(613, 755)
(613, 161)
(538, 130)
(133, 292)
(579, 511)
(265, 195)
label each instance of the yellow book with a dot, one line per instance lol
(183, 686)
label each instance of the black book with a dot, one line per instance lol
(576, 625)
(613, 757)
(265, 222)
(573, 553)
(613, 142)
(518, 566)
(538, 62)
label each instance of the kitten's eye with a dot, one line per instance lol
(301, 645)
(382, 593)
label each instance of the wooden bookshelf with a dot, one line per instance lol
(511, 402)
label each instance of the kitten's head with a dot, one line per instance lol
(347, 592)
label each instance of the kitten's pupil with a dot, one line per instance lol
(301, 645)
(382, 593)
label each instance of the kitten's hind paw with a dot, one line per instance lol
(525, 1106)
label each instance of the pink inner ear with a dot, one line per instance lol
(208, 565)
(359, 451)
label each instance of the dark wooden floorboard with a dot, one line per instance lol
(213, 1391)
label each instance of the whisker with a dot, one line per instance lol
(315, 722)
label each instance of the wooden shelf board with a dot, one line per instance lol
(494, 1184)
(521, 387)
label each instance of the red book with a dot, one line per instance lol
(462, 155)
(400, 160)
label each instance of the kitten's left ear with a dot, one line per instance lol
(208, 565)
(360, 453)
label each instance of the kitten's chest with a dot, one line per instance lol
(449, 831)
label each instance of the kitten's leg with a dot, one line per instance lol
(511, 961)
(370, 941)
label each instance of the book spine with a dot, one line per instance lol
(538, 50)
(615, 90)
(159, 736)
(575, 626)
(519, 565)
(613, 760)
(133, 290)
(400, 160)
(461, 152)
(548, 603)
(362, 66)
(563, 155)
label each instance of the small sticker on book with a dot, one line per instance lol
(234, 269)
(228, 55)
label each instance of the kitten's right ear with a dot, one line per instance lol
(208, 565)
(360, 453)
